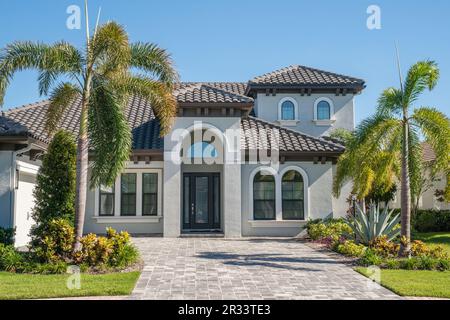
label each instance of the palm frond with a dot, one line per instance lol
(435, 127)
(109, 49)
(109, 134)
(156, 93)
(422, 75)
(390, 102)
(154, 60)
(61, 97)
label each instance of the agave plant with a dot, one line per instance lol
(374, 224)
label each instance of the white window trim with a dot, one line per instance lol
(278, 222)
(288, 123)
(139, 218)
(332, 117)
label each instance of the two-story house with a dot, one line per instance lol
(243, 159)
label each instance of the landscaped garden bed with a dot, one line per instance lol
(373, 240)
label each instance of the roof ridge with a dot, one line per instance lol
(329, 72)
(296, 132)
(276, 72)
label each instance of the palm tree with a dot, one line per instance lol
(387, 145)
(101, 75)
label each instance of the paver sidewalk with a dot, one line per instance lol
(246, 269)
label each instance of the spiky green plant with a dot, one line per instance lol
(386, 147)
(374, 224)
(101, 76)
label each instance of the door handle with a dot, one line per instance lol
(192, 209)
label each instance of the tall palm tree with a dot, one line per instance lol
(387, 145)
(101, 75)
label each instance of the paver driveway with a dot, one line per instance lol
(246, 269)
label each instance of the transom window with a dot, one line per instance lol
(149, 194)
(287, 110)
(106, 201)
(128, 194)
(292, 190)
(202, 149)
(323, 110)
(264, 197)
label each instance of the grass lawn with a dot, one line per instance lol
(26, 286)
(415, 283)
(435, 238)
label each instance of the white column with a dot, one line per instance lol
(171, 197)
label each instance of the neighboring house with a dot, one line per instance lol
(428, 199)
(243, 159)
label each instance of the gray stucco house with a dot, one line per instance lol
(243, 159)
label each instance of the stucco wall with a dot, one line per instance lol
(320, 203)
(231, 201)
(6, 188)
(23, 208)
(94, 225)
(267, 109)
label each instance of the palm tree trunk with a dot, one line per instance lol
(81, 181)
(82, 165)
(405, 192)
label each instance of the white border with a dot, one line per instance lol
(332, 117)
(278, 197)
(139, 218)
(296, 117)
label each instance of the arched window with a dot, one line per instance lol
(287, 110)
(202, 150)
(323, 110)
(292, 189)
(264, 197)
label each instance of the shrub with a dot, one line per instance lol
(420, 249)
(334, 229)
(374, 224)
(123, 253)
(55, 184)
(10, 259)
(370, 258)
(384, 248)
(7, 236)
(431, 221)
(114, 250)
(57, 242)
(350, 248)
(391, 263)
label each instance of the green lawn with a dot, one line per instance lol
(414, 283)
(26, 286)
(435, 238)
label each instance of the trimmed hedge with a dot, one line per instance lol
(7, 236)
(431, 221)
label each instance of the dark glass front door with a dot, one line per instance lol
(201, 201)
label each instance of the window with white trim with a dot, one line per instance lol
(324, 111)
(128, 194)
(149, 194)
(264, 197)
(287, 110)
(292, 190)
(106, 199)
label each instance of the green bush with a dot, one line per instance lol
(333, 228)
(55, 184)
(431, 221)
(10, 259)
(370, 258)
(7, 236)
(57, 242)
(114, 250)
(384, 248)
(350, 248)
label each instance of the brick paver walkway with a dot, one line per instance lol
(246, 269)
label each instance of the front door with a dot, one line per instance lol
(201, 201)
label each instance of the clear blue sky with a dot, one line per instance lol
(231, 40)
